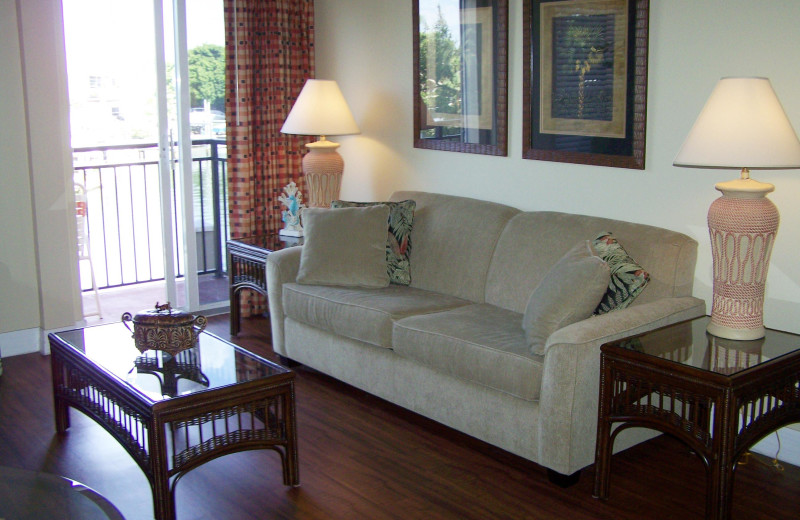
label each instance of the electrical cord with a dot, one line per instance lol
(774, 463)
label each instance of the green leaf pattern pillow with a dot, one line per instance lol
(628, 278)
(398, 241)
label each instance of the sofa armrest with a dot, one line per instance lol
(282, 267)
(570, 382)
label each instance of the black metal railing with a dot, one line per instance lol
(123, 215)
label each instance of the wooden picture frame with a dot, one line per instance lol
(461, 103)
(585, 81)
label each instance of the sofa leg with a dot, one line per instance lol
(562, 480)
(287, 362)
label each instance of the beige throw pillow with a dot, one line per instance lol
(568, 293)
(345, 247)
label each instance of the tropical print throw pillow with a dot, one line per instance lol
(398, 241)
(628, 278)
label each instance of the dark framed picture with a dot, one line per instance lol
(460, 75)
(585, 81)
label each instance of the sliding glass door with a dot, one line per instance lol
(148, 132)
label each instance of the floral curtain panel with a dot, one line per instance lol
(269, 53)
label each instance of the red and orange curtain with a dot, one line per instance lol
(269, 53)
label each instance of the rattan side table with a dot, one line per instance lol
(718, 396)
(247, 267)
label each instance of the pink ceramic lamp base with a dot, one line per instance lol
(742, 226)
(323, 167)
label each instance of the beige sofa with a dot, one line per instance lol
(451, 346)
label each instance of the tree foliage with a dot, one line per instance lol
(207, 76)
(440, 85)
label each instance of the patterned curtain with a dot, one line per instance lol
(269, 53)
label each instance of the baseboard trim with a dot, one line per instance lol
(28, 341)
(789, 446)
(15, 343)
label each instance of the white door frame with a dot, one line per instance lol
(184, 168)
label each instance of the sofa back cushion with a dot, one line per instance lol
(533, 242)
(454, 242)
(345, 247)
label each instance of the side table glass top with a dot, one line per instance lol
(270, 242)
(688, 343)
(213, 363)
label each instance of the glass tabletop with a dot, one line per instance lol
(688, 343)
(212, 363)
(270, 242)
(32, 495)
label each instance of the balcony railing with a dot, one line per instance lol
(124, 215)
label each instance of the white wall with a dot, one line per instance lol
(38, 273)
(19, 288)
(366, 46)
(50, 155)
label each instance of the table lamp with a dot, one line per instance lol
(742, 126)
(321, 110)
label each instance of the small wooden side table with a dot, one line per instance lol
(716, 395)
(247, 267)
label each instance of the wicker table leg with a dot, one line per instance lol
(163, 498)
(291, 465)
(603, 448)
(235, 312)
(61, 406)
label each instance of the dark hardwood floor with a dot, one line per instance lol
(363, 458)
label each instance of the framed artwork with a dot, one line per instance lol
(460, 75)
(585, 81)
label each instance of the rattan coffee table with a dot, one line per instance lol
(174, 413)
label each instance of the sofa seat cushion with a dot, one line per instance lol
(359, 313)
(479, 342)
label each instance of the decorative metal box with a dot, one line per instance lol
(164, 329)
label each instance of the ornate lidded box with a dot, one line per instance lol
(164, 328)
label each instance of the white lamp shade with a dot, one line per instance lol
(742, 125)
(320, 109)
